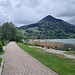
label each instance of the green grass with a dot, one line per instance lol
(62, 66)
(70, 52)
(0, 61)
(2, 52)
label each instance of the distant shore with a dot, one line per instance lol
(49, 44)
(59, 44)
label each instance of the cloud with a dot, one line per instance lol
(31, 11)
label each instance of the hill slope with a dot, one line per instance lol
(50, 27)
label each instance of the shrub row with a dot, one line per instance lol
(1, 47)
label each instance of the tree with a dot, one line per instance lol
(19, 36)
(0, 32)
(1, 47)
(9, 31)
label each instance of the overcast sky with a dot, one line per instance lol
(23, 12)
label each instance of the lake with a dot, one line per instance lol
(65, 41)
(69, 44)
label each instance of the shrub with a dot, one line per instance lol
(42, 46)
(1, 47)
(48, 47)
(2, 42)
(35, 44)
(67, 50)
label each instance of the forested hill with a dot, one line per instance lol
(50, 27)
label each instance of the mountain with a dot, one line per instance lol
(50, 18)
(49, 27)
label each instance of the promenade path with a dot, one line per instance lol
(18, 62)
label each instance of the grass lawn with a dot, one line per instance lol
(70, 52)
(0, 61)
(62, 66)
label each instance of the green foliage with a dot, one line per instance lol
(62, 66)
(19, 36)
(18, 39)
(1, 47)
(2, 52)
(0, 32)
(2, 41)
(0, 61)
(10, 32)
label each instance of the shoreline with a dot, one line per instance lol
(54, 45)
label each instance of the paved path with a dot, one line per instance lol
(18, 62)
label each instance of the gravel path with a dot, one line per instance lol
(61, 52)
(56, 52)
(18, 62)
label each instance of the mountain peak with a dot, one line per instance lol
(50, 18)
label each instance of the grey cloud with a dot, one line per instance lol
(31, 11)
(67, 14)
(5, 4)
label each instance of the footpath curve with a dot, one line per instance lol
(18, 62)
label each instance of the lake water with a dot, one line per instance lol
(65, 41)
(69, 44)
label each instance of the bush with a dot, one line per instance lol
(42, 46)
(48, 47)
(35, 44)
(2, 42)
(1, 47)
(67, 49)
